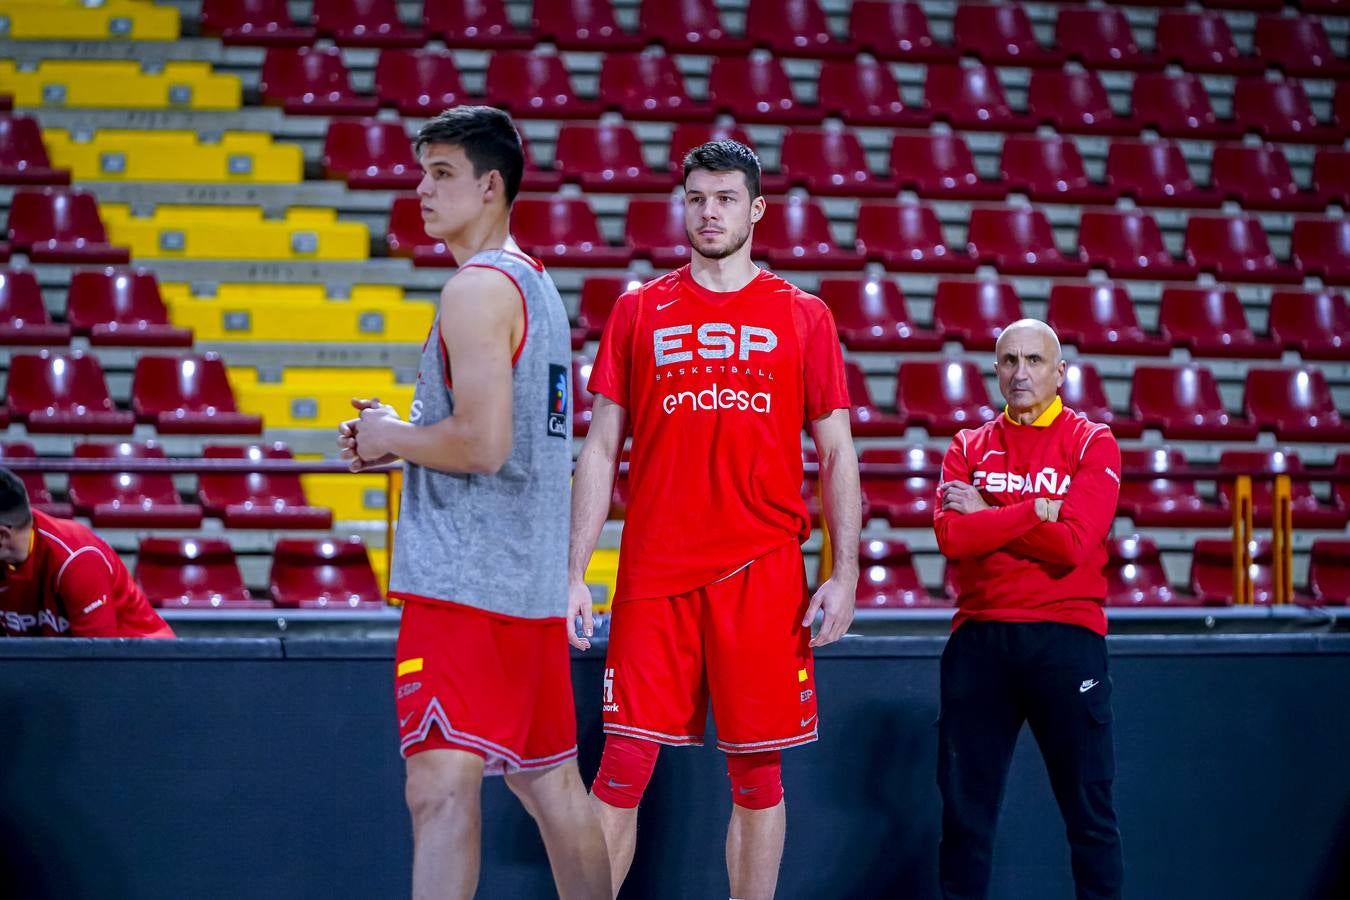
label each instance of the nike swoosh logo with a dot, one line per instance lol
(747, 790)
(661, 306)
(404, 721)
(808, 720)
(614, 784)
(993, 453)
(1087, 686)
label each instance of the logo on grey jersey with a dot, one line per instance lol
(558, 389)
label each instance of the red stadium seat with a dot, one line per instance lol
(1184, 403)
(1331, 175)
(831, 163)
(365, 23)
(971, 97)
(1154, 173)
(192, 573)
(940, 165)
(755, 89)
(895, 31)
(598, 295)
(1201, 42)
(793, 28)
(943, 396)
(904, 501)
(907, 237)
(1049, 169)
(1178, 106)
(1296, 404)
(606, 157)
(122, 308)
(1235, 248)
(1163, 501)
(655, 230)
(129, 499)
(255, 22)
(688, 26)
(1074, 102)
(535, 86)
(1308, 512)
(1000, 35)
(647, 86)
(1280, 111)
(312, 81)
(1135, 575)
(582, 398)
(1212, 572)
(887, 578)
(188, 394)
(864, 92)
(794, 234)
(23, 156)
(582, 25)
(1020, 242)
(1297, 45)
(1129, 244)
(328, 573)
(865, 417)
(475, 24)
(418, 82)
(257, 499)
(64, 394)
(1259, 178)
(57, 225)
(1316, 324)
(1084, 392)
(23, 314)
(39, 495)
(870, 315)
(1329, 572)
(1100, 39)
(563, 231)
(975, 312)
(1100, 318)
(1322, 247)
(1340, 107)
(1209, 321)
(371, 154)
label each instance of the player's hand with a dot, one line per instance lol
(836, 597)
(1052, 510)
(579, 604)
(374, 430)
(346, 439)
(959, 497)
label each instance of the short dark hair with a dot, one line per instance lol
(14, 509)
(489, 139)
(725, 156)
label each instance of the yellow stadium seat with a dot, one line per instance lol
(315, 398)
(604, 572)
(120, 84)
(235, 232)
(353, 498)
(115, 155)
(261, 312)
(73, 21)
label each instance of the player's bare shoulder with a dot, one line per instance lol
(479, 285)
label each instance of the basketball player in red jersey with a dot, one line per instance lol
(714, 370)
(1024, 508)
(59, 579)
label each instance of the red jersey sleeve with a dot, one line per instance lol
(960, 536)
(85, 590)
(1088, 510)
(824, 385)
(611, 373)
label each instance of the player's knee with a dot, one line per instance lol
(438, 788)
(625, 770)
(756, 779)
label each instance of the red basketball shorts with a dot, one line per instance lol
(488, 684)
(738, 641)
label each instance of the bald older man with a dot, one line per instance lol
(1025, 504)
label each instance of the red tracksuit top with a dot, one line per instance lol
(1012, 567)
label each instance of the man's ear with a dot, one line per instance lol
(757, 209)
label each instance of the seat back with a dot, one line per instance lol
(1071, 100)
(555, 221)
(323, 573)
(1148, 171)
(127, 297)
(68, 382)
(975, 312)
(125, 489)
(1135, 575)
(194, 383)
(54, 214)
(610, 149)
(190, 572)
(21, 299)
(425, 81)
(933, 163)
(1095, 312)
(1205, 314)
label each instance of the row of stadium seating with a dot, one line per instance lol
(899, 31)
(120, 84)
(75, 21)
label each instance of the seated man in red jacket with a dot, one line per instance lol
(58, 578)
(1023, 511)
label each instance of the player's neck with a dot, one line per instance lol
(724, 275)
(488, 232)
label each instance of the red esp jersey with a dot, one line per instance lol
(73, 584)
(718, 387)
(1012, 567)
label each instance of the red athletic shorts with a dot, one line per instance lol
(492, 685)
(738, 641)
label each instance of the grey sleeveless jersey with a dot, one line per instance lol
(497, 542)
